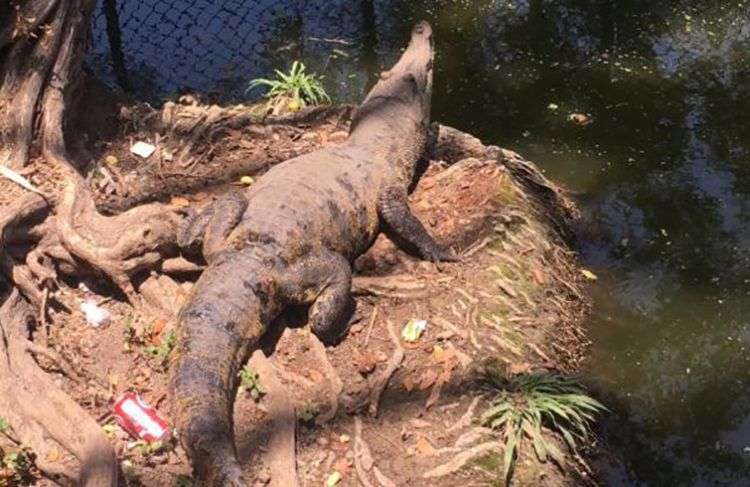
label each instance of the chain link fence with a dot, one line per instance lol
(156, 48)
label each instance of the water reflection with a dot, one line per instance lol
(664, 170)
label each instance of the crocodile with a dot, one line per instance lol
(290, 239)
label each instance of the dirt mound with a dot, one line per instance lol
(376, 409)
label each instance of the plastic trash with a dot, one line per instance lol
(96, 316)
(413, 330)
(142, 149)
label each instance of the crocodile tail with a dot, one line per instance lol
(218, 327)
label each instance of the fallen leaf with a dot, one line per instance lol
(53, 455)
(342, 465)
(520, 368)
(424, 447)
(427, 378)
(333, 479)
(589, 275)
(247, 180)
(438, 354)
(179, 201)
(408, 383)
(538, 275)
(112, 160)
(157, 328)
(365, 361)
(580, 118)
(314, 375)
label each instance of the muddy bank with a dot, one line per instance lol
(376, 409)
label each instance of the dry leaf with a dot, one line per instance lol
(179, 201)
(53, 455)
(538, 275)
(342, 465)
(427, 378)
(424, 447)
(408, 383)
(438, 354)
(520, 368)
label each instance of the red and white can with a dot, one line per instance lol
(139, 419)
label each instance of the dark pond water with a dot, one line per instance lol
(663, 171)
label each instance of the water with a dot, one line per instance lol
(663, 172)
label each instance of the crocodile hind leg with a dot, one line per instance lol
(211, 226)
(324, 280)
(406, 230)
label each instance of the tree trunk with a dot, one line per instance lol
(42, 45)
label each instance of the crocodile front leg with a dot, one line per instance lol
(211, 226)
(405, 230)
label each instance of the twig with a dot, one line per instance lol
(55, 358)
(362, 457)
(465, 420)
(395, 361)
(372, 323)
(382, 479)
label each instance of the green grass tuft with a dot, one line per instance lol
(531, 403)
(292, 91)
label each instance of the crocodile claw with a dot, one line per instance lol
(443, 255)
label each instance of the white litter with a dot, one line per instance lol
(95, 315)
(142, 149)
(18, 179)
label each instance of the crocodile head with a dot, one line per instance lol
(399, 103)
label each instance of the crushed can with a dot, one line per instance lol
(139, 419)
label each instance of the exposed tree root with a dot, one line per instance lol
(39, 411)
(363, 461)
(377, 386)
(336, 385)
(282, 445)
(395, 286)
(459, 461)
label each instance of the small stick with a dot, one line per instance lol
(372, 322)
(393, 364)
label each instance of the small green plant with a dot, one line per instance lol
(530, 403)
(292, 91)
(183, 481)
(308, 413)
(4, 426)
(149, 449)
(250, 381)
(18, 466)
(110, 430)
(162, 352)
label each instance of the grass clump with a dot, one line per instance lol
(292, 91)
(16, 468)
(528, 404)
(162, 352)
(250, 382)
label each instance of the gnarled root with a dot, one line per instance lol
(118, 246)
(38, 410)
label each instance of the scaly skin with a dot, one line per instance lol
(290, 240)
